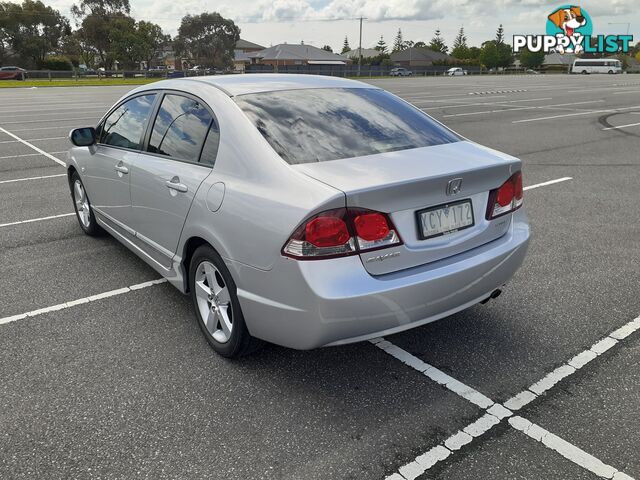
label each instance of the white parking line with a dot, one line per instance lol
(574, 114)
(28, 155)
(39, 150)
(31, 139)
(621, 126)
(460, 105)
(550, 182)
(496, 412)
(33, 178)
(51, 120)
(516, 107)
(32, 220)
(80, 301)
(567, 450)
(48, 128)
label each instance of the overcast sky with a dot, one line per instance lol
(320, 22)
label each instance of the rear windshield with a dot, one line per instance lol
(316, 125)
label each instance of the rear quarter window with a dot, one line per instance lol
(317, 125)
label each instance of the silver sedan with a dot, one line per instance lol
(301, 210)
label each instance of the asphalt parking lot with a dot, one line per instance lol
(99, 380)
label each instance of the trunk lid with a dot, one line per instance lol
(404, 182)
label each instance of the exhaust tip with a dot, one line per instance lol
(495, 294)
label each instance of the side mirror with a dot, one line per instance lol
(83, 137)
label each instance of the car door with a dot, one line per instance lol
(166, 176)
(107, 171)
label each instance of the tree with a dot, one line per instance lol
(327, 48)
(494, 54)
(420, 44)
(489, 54)
(408, 44)
(31, 30)
(460, 49)
(474, 53)
(381, 46)
(152, 39)
(73, 47)
(638, 56)
(437, 43)
(126, 45)
(100, 22)
(398, 43)
(500, 35)
(505, 55)
(529, 59)
(345, 46)
(208, 38)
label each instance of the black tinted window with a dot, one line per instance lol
(180, 128)
(316, 125)
(125, 126)
(210, 149)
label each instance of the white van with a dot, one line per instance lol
(596, 65)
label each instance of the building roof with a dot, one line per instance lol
(559, 59)
(326, 62)
(418, 54)
(366, 53)
(235, 85)
(286, 51)
(241, 57)
(245, 44)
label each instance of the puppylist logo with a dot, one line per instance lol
(570, 30)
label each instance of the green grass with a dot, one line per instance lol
(70, 82)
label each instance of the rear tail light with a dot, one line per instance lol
(341, 232)
(506, 199)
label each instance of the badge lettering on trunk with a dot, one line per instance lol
(454, 186)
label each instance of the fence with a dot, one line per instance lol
(332, 70)
(352, 70)
(100, 74)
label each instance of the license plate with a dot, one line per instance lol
(444, 219)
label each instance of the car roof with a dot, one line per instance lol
(242, 84)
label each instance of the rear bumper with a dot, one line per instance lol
(309, 304)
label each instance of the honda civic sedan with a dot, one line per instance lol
(305, 211)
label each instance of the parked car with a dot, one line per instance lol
(400, 72)
(12, 73)
(453, 72)
(528, 71)
(302, 210)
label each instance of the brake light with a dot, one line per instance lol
(506, 199)
(326, 232)
(341, 232)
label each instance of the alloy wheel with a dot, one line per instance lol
(82, 204)
(214, 302)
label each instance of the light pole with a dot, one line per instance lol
(628, 24)
(360, 47)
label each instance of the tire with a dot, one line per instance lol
(610, 72)
(82, 207)
(584, 72)
(224, 328)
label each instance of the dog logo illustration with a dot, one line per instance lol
(570, 30)
(570, 21)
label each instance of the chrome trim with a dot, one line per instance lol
(145, 256)
(159, 248)
(129, 230)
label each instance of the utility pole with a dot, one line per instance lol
(360, 47)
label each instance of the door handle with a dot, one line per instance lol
(174, 184)
(121, 169)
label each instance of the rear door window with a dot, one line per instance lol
(126, 124)
(210, 148)
(180, 128)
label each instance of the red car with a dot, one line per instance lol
(12, 73)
